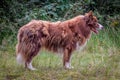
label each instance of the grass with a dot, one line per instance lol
(100, 60)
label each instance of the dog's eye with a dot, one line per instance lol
(75, 34)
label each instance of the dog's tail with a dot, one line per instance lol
(19, 49)
(19, 56)
(20, 59)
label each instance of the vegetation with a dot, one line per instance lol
(98, 61)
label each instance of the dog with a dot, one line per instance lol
(62, 37)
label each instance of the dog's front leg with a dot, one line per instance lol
(66, 59)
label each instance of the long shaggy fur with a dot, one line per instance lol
(54, 36)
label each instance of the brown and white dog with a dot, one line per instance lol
(63, 37)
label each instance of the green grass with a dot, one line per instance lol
(100, 60)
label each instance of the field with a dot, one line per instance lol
(100, 60)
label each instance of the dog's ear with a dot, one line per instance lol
(89, 14)
(88, 17)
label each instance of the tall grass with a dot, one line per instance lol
(98, 61)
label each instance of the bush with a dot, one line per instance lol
(16, 13)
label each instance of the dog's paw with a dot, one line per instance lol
(71, 67)
(68, 66)
(30, 67)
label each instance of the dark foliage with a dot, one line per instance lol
(15, 13)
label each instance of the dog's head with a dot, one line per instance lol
(92, 22)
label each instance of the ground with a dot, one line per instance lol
(93, 65)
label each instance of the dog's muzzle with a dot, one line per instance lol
(100, 26)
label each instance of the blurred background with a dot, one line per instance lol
(99, 61)
(16, 13)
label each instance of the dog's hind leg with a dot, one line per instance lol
(30, 56)
(29, 65)
(26, 52)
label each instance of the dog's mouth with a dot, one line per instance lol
(96, 30)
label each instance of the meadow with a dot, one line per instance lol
(99, 60)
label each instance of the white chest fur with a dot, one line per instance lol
(80, 47)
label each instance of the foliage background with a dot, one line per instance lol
(16, 13)
(100, 59)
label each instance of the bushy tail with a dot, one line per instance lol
(20, 59)
(19, 56)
